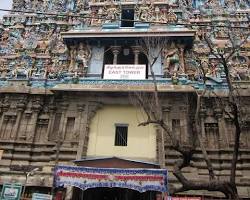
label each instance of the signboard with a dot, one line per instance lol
(40, 196)
(125, 72)
(11, 191)
(89, 177)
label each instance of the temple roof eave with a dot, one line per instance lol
(122, 88)
(127, 34)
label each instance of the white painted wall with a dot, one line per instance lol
(141, 140)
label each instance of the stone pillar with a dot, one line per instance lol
(26, 116)
(33, 121)
(202, 116)
(52, 115)
(182, 61)
(136, 51)
(162, 139)
(184, 124)
(88, 114)
(82, 131)
(61, 132)
(5, 107)
(166, 113)
(115, 50)
(223, 139)
(19, 109)
(77, 126)
(12, 119)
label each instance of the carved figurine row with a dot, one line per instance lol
(110, 11)
(49, 5)
(34, 39)
(144, 12)
(80, 5)
(195, 63)
(39, 51)
(60, 64)
(52, 59)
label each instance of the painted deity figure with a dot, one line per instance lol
(59, 5)
(230, 4)
(18, 4)
(145, 11)
(72, 55)
(3, 68)
(113, 12)
(83, 54)
(71, 5)
(4, 36)
(100, 14)
(80, 5)
(20, 70)
(93, 21)
(171, 60)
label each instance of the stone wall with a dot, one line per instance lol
(39, 130)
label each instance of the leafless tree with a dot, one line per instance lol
(151, 104)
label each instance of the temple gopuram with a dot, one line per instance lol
(69, 73)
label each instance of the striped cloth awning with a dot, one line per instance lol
(84, 178)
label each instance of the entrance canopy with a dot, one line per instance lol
(84, 178)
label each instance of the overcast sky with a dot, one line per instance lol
(5, 4)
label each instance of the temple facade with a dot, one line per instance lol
(70, 70)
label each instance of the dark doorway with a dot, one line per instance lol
(143, 60)
(127, 18)
(126, 56)
(112, 194)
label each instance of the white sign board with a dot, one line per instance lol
(125, 72)
(40, 196)
(11, 191)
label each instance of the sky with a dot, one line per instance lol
(5, 4)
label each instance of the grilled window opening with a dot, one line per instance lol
(121, 134)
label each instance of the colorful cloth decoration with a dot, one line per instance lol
(87, 177)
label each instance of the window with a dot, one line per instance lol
(121, 135)
(127, 18)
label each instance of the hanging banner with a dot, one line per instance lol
(87, 177)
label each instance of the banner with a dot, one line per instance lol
(125, 72)
(87, 177)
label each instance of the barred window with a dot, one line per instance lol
(121, 134)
